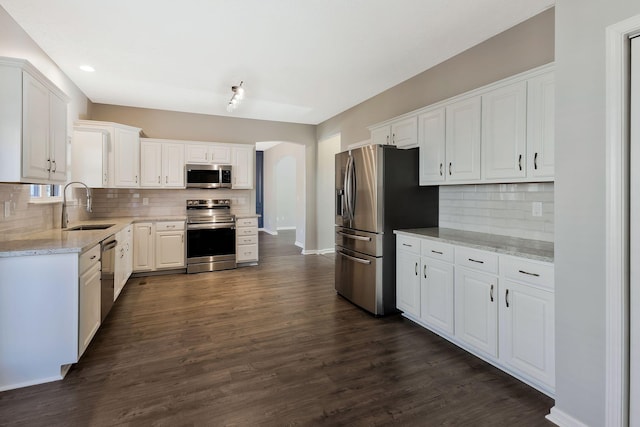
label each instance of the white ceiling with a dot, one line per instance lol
(301, 61)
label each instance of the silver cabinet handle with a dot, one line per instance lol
(535, 161)
(440, 169)
(55, 167)
(136, 179)
(436, 252)
(49, 169)
(387, 139)
(475, 260)
(424, 271)
(158, 179)
(166, 179)
(449, 168)
(416, 268)
(491, 293)
(354, 237)
(352, 258)
(93, 257)
(529, 274)
(506, 298)
(407, 245)
(393, 141)
(520, 162)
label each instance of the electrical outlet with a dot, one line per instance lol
(7, 209)
(536, 209)
(145, 201)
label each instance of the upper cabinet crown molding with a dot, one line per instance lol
(25, 65)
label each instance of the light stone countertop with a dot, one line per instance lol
(59, 241)
(525, 248)
(248, 216)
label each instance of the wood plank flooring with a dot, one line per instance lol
(268, 345)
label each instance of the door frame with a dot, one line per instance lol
(617, 220)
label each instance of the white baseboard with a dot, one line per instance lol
(298, 244)
(266, 230)
(287, 228)
(326, 251)
(563, 419)
(317, 251)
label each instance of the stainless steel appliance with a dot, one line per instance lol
(377, 191)
(108, 259)
(208, 176)
(211, 235)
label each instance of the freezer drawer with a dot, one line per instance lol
(360, 241)
(359, 279)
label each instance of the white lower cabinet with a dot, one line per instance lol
(124, 260)
(477, 310)
(88, 297)
(246, 240)
(158, 245)
(498, 307)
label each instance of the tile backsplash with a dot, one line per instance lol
(504, 209)
(111, 203)
(24, 217)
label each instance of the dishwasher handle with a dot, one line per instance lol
(109, 245)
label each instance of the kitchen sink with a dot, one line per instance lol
(90, 227)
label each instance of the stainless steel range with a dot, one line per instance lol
(211, 235)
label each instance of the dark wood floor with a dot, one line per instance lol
(268, 345)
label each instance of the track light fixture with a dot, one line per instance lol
(238, 95)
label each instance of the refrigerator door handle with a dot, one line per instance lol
(352, 188)
(354, 237)
(356, 259)
(346, 188)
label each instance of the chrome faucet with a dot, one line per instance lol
(65, 215)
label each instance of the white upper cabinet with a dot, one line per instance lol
(504, 132)
(213, 153)
(161, 163)
(463, 140)
(402, 133)
(112, 149)
(243, 165)
(431, 137)
(34, 125)
(90, 157)
(541, 125)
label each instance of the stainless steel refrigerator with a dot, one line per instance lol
(377, 191)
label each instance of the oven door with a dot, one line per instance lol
(210, 247)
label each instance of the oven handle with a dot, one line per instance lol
(230, 225)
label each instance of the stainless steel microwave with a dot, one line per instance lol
(208, 176)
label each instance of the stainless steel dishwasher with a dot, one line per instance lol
(107, 252)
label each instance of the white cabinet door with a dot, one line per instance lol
(35, 130)
(90, 157)
(150, 164)
(128, 256)
(381, 135)
(541, 125)
(127, 162)
(408, 282)
(173, 165)
(436, 295)
(58, 139)
(404, 133)
(242, 161)
(143, 247)
(476, 310)
(197, 153)
(89, 307)
(527, 340)
(431, 137)
(504, 132)
(463, 140)
(169, 249)
(220, 154)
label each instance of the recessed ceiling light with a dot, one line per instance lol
(87, 68)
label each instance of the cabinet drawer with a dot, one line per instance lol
(477, 259)
(527, 271)
(246, 231)
(169, 225)
(408, 244)
(89, 258)
(247, 253)
(246, 222)
(437, 250)
(247, 240)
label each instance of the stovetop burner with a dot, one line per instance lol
(209, 211)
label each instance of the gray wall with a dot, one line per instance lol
(518, 49)
(325, 205)
(200, 127)
(580, 203)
